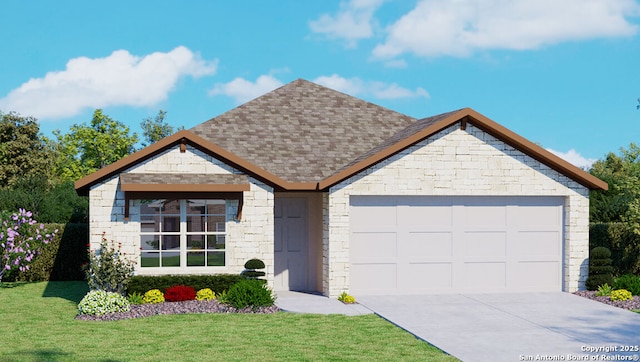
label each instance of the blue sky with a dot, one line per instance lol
(564, 74)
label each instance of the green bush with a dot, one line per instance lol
(49, 203)
(604, 290)
(62, 258)
(99, 302)
(600, 269)
(623, 243)
(621, 294)
(153, 296)
(629, 282)
(250, 269)
(108, 270)
(217, 283)
(254, 264)
(135, 298)
(249, 293)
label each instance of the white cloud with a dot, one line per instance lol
(118, 79)
(458, 28)
(243, 90)
(354, 21)
(380, 90)
(575, 158)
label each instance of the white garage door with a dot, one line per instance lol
(406, 245)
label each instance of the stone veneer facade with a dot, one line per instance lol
(456, 162)
(251, 237)
(452, 162)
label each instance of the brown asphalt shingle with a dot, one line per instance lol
(303, 132)
(182, 179)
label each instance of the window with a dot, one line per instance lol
(182, 233)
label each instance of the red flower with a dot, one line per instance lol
(179, 293)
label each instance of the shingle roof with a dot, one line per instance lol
(303, 132)
(303, 136)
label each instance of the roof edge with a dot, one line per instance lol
(83, 185)
(520, 143)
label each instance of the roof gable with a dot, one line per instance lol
(303, 132)
(303, 136)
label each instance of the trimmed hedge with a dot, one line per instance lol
(217, 283)
(61, 259)
(623, 243)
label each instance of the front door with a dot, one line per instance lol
(290, 244)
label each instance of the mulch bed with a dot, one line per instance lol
(625, 304)
(186, 307)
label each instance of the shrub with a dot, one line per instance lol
(99, 302)
(249, 293)
(21, 239)
(621, 294)
(135, 298)
(254, 264)
(179, 293)
(153, 296)
(604, 290)
(250, 271)
(217, 283)
(63, 258)
(623, 243)
(346, 298)
(600, 268)
(205, 294)
(108, 269)
(628, 282)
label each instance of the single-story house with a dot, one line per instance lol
(338, 194)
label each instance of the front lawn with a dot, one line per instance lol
(38, 324)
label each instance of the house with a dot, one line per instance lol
(337, 194)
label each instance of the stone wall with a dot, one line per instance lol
(459, 163)
(250, 237)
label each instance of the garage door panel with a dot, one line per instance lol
(425, 245)
(373, 277)
(482, 217)
(425, 216)
(479, 276)
(542, 243)
(373, 245)
(537, 275)
(538, 216)
(425, 276)
(455, 244)
(374, 217)
(484, 244)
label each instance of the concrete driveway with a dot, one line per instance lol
(514, 327)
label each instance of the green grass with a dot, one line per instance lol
(38, 324)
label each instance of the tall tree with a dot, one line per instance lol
(88, 148)
(621, 203)
(24, 152)
(155, 129)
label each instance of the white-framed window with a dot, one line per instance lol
(182, 233)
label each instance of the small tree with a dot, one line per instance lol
(600, 268)
(250, 267)
(108, 269)
(21, 239)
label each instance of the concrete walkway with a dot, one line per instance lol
(298, 302)
(514, 327)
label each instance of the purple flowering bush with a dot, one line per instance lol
(21, 239)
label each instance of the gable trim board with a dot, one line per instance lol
(466, 115)
(458, 155)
